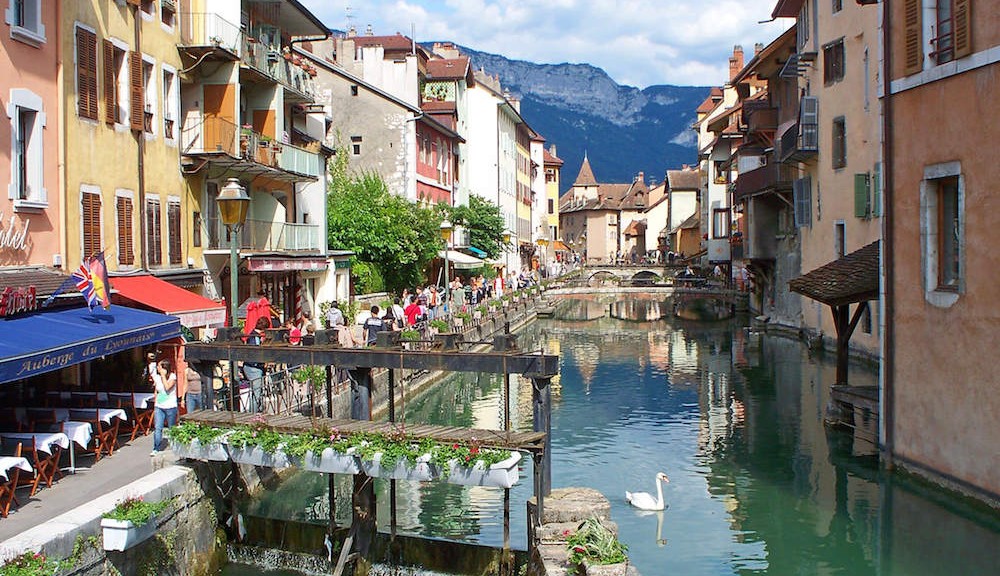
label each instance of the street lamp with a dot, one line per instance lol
(446, 229)
(506, 251)
(233, 203)
(543, 258)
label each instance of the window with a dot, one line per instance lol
(174, 230)
(356, 145)
(802, 196)
(154, 243)
(169, 103)
(838, 5)
(866, 320)
(148, 8)
(167, 13)
(839, 239)
(354, 89)
(86, 73)
(552, 207)
(942, 228)
(123, 217)
(27, 160)
(148, 96)
(720, 223)
(719, 167)
(25, 20)
(196, 229)
(839, 142)
(115, 84)
(90, 205)
(802, 27)
(833, 62)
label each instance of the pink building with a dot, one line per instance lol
(436, 161)
(30, 211)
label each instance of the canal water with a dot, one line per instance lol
(734, 418)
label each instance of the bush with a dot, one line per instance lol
(136, 510)
(593, 542)
(439, 325)
(367, 278)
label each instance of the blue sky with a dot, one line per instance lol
(637, 42)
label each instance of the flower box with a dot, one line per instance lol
(331, 462)
(502, 474)
(123, 534)
(256, 456)
(213, 451)
(403, 470)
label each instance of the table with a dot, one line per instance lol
(138, 399)
(63, 414)
(43, 440)
(52, 443)
(8, 462)
(9, 485)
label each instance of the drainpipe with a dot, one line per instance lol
(140, 136)
(887, 403)
(61, 115)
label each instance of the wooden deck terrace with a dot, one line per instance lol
(533, 442)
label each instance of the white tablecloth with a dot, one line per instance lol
(138, 399)
(43, 440)
(63, 414)
(8, 462)
(79, 432)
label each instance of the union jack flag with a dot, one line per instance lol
(92, 281)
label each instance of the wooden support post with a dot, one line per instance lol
(361, 393)
(329, 392)
(541, 401)
(392, 395)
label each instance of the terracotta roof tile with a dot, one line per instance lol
(852, 278)
(447, 68)
(586, 175)
(684, 179)
(45, 280)
(394, 42)
(550, 159)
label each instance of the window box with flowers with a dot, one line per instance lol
(30, 564)
(326, 451)
(131, 521)
(198, 442)
(395, 455)
(471, 465)
(257, 444)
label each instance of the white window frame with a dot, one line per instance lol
(180, 241)
(169, 28)
(933, 293)
(123, 97)
(126, 193)
(38, 199)
(34, 37)
(171, 100)
(150, 96)
(90, 189)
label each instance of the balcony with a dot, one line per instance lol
(760, 119)
(266, 236)
(800, 142)
(204, 33)
(221, 141)
(768, 178)
(286, 67)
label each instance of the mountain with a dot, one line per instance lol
(622, 129)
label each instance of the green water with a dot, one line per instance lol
(757, 484)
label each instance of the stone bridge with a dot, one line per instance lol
(648, 273)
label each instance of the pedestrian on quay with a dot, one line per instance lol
(192, 395)
(164, 403)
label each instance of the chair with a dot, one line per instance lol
(128, 427)
(7, 489)
(41, 419)
(46, 465)
(105, 435)
(143, 419)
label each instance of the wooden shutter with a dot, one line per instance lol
(91, 204)
(174, 230)
(962, 28)
(154, 243)
(137, 100)
(86, 73)
(913, 46)
(126, 248)
(861, 189)
(877, 190)
(110, 83)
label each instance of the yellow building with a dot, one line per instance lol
(523, 199)
(125, 193)
(553, 166)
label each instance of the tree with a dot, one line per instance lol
(485, 224)
(396, 236)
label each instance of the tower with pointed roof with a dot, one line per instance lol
(585, 186)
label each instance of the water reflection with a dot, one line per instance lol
(758, 484)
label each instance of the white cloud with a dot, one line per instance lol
(637, 42)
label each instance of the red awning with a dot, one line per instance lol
(151, 292)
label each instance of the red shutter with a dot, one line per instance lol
(137, 100)
(913, 47)
(86, 73)
(962, 28)
(110, 83)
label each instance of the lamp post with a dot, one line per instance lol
(543, 259)
(233, 203)
(446, 229)
(506, 252)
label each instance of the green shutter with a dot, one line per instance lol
(861, 195)
(877, 190)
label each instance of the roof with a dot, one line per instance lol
(151, 292)
(635, 228)
(448, 68)
(45, 280)
(548, 158)
(787, 8)
(684, 179)
(586, 175)
(852, 278)
(392, 42)
(325, 65)
(711, 101)
(760, 64)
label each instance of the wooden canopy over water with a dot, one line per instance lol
(293, 423)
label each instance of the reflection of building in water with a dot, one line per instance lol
(579, 309)
(640, 310)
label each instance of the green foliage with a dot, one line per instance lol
(397, 237)
(136, 510)
(367, 278)
(465, 455)
(185, 432)
(296, 445)
(485, 224)
(440, 325)
(463, 315)
(30, 564)
(483, 309)
(593, 542)
(409, 335)
(256, 433)
(314, 376)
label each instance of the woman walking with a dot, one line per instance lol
(165, 407)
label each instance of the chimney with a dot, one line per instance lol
(757, 48)
(352, 32)
(736, 61)
(369, 31)
(641, 177)
(552, 150)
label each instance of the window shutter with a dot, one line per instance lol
(809, 122)
(174, 226)
(86, 73)
(126, 248)
(877, 190)
(861, 207)
(110, 86)
(962, 28)
(91, 224)
(802, 199)
(154, 243)
(136, 114)
(913, 47)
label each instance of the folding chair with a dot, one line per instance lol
(143, 419)
(41, 419)
(46, 466)
(7, 489)
(105, 436)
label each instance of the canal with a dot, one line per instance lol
(757, 484)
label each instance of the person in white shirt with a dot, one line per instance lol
(165, 406)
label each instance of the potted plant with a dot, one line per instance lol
(440, 326)
(30, 564)
(595, 544)
(395, 455)
(130, 522)
(471, 465)
(197, 441)
(257, 444)
(323, 450)
(460, 318)
(483, 310)
(313, 376)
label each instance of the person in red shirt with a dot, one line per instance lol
(411, 311)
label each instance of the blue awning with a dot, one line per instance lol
(51, 340)
(476, 251)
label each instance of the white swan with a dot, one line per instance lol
(644, 500)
